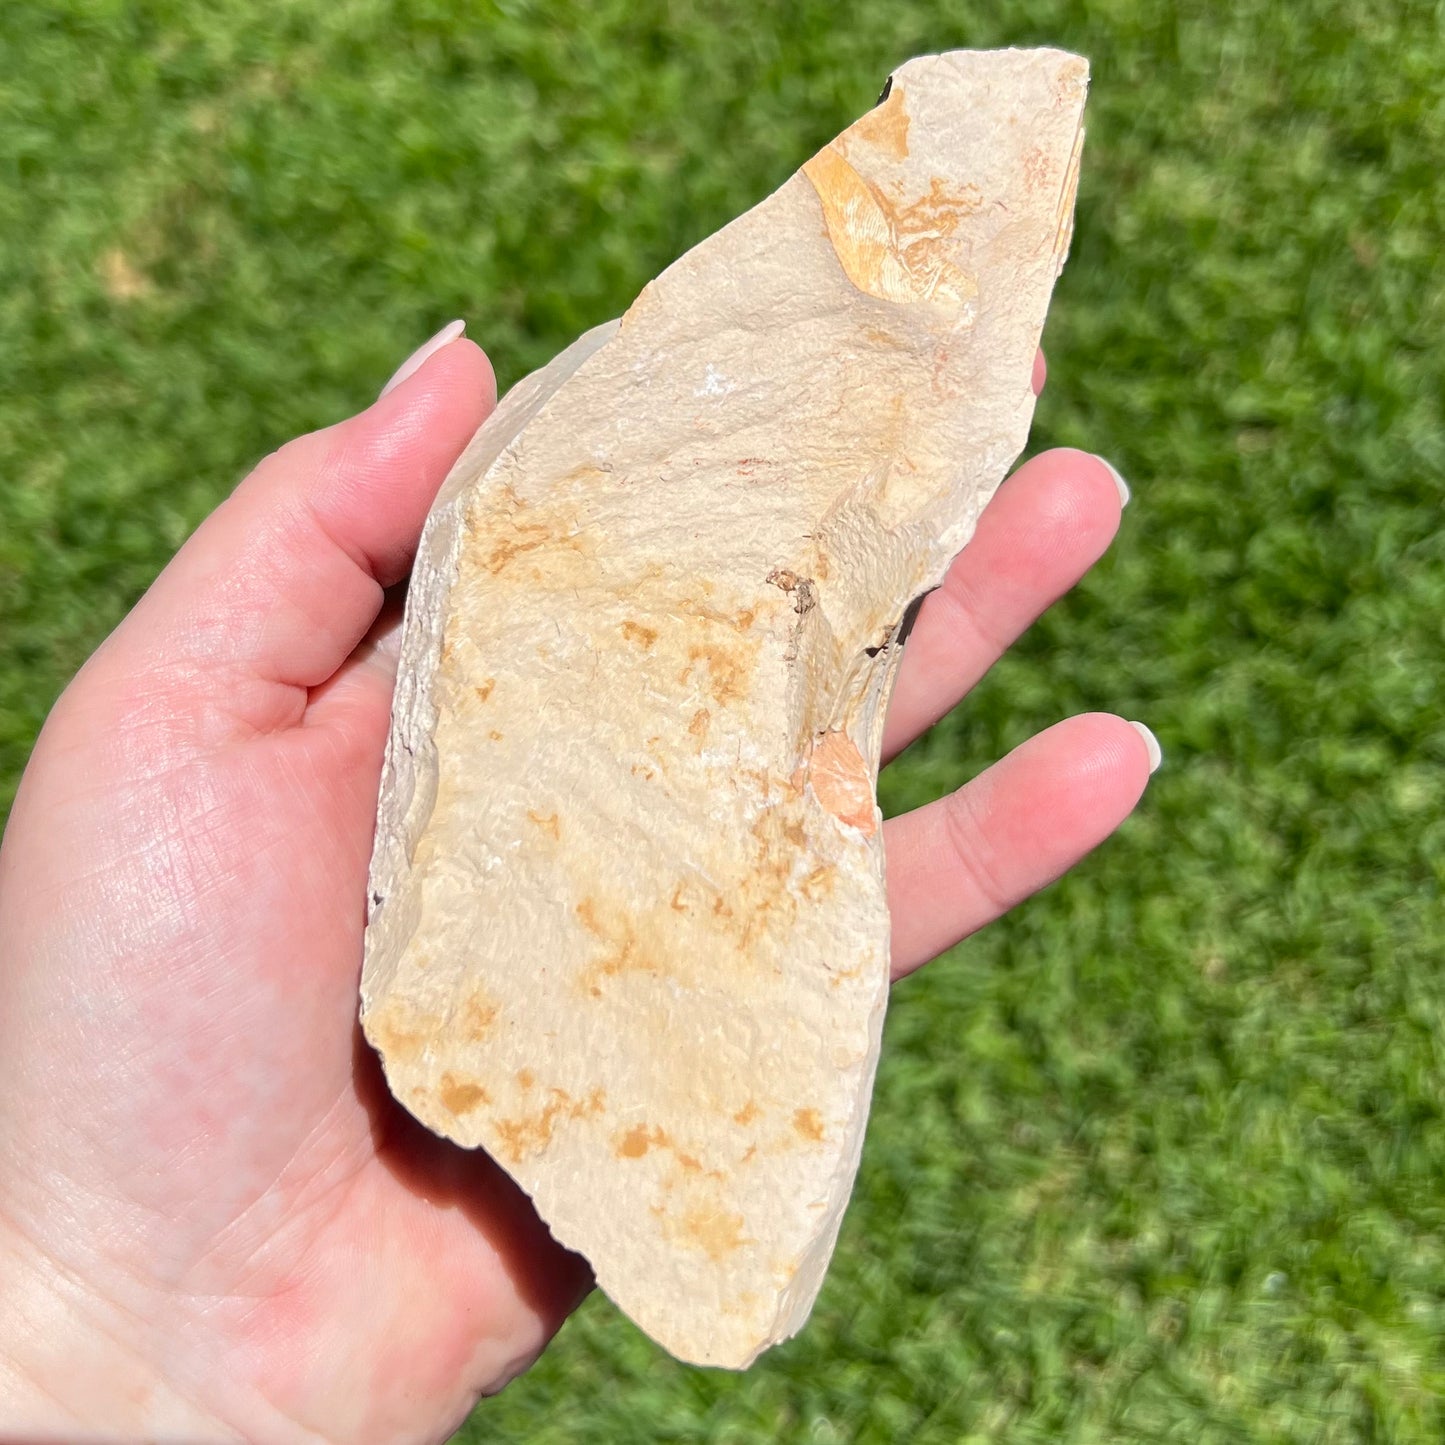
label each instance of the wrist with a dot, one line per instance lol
(72, 1365)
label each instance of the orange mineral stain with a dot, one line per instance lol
(532, 1133)
(635, 1143)
(639, 633)
(885, 127)
(399, 1034)
(726, 669)
(717, 1232)
(476, 1016)
(841, 782)
(548, 823)
(809, 1123)
(639, 1139)
(461, 1096)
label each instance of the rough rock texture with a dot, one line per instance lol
(628, 929)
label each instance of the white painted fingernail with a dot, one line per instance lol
(1119, 481)
(424, 353)
(1156, 753)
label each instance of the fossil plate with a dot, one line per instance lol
(628, 928)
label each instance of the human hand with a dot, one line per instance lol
(214, 1221)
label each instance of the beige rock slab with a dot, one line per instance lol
(628, 928)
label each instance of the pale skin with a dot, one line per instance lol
(214, 1223)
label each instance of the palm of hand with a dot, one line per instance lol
(209, 1173)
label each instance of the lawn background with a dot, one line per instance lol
(1160, 1157)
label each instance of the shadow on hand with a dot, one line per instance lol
(549, 1279)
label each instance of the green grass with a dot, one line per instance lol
(1160, 1157)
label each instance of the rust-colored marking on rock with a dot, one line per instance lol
(501, 528)
(819, 883)
(548, 823)
(944, 207)
(526, 537)
(461, 1096)
(401, 1035)
(885, 127)
(476, 1016)
(716, 1232)
(726, 668)
(628, 947)
(635, 1143)
(531, 1133)
(809, 1124)
(1036, 169)
(639, 633)
(638, 1140)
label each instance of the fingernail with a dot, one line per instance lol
(1119, 482)
(424, 353)
(1156, 753)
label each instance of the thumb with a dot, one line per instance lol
(278, 586)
